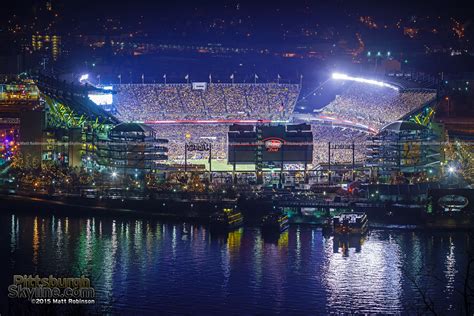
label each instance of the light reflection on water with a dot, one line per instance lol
(147, 265)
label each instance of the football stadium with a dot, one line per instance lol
(201, 112)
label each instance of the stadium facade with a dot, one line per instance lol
(131, 148)
(404, 148)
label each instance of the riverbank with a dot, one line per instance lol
(198, 211)
(81, 206)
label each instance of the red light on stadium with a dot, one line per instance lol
(208, 121)
(273, 144)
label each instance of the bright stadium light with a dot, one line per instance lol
(83, 78)
(339, 76)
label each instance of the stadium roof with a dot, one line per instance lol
(403, 126)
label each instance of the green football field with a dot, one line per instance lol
(221, 165)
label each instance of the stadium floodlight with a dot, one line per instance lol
(83, 78)
(339, 76)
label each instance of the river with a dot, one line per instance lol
(147, 265)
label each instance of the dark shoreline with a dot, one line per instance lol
(44, 205)
(181, 211)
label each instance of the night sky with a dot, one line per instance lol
(266, 10)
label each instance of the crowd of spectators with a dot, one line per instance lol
(360, 103)
(180, 134)
(344, 137)
(234, 101)
(148, 102)
(216, 134)
(375, 106)
(192, 100)
(214, 100)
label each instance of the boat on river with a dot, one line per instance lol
(275, 222)
(350, 223)
(227, 219)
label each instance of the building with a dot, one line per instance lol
(63, 146)
(21, 111)
(50, 44)
(131, 148)
(406, 149)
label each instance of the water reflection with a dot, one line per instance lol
(145, 265)
(450, 271)
(344, 243)
(367, 276)
(14, 234)
(35, 242)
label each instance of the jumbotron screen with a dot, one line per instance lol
(101, 98)
(277, 145)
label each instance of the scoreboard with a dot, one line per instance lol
(271, 145)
